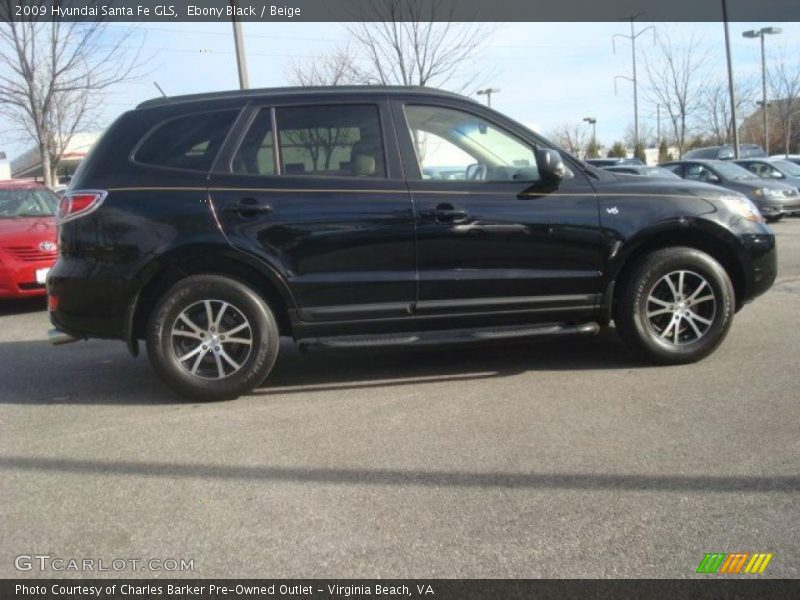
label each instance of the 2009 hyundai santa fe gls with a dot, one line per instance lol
(210, 225)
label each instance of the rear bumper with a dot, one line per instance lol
(84, 303)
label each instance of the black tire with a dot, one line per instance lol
(238, 307)
(676, 336)
(773, 219)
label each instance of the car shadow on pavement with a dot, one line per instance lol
(398, 477)
(22, 306)
(102, 372)
(329, 369)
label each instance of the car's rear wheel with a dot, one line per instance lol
(675, 306)
(212, 338)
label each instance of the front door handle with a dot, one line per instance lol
(447, 213)
(249, 206)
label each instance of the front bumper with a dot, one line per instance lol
(18, 278)
(760, 262)
(781, 209)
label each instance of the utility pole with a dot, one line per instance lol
(762, 33)
(731, 91)
(632, 37)
(488, 93)
(238, 40)
(658, 123)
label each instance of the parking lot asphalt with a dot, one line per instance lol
(553, 459)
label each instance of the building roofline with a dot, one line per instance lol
(301, 91)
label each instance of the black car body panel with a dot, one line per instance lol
(348, 255)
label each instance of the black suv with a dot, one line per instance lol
(210, 225)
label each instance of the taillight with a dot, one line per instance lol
(79, 203)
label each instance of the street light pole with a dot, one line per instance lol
(762, 33)
(238, 42)
(488, 93)
(632, 37)
(730, 80)
(593, 122)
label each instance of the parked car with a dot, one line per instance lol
(27, 238)
(210, 225)
(725, 152)
(643, 171)
(610, 162)
(773, 199)
(773, 169)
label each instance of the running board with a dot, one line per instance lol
(451, 336)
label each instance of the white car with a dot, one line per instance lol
(795, 158)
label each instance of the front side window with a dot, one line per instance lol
(190, 142)
(764, 170)
(332, 141)
(453, 145)
(699, 173)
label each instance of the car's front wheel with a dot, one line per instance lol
(212, 338)
(675, 306)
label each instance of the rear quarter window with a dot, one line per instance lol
(190, 142)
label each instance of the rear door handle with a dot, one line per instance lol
(492, 228)
(249, 205)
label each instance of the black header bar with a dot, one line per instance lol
(405, 10)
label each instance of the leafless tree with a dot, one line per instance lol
(647, 135)
(784, 81)
(54, 76)
(401, 42)
(573, 137)
(334, 68)
(676, 72)
(715, 123)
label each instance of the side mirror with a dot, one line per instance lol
(713, 178)
(550, 164)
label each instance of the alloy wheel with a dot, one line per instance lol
(212, 339)
(681, 307)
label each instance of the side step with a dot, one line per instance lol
(452, 336)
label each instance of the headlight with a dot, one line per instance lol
(769, 193)
(742, 206)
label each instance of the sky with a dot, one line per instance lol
(548, 73)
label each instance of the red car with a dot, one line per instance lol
(28, 238)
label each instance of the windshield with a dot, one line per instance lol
(27, 202)
(788, 167)
(660, 172)
(731, 171)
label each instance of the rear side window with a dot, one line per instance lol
(256, 154)
(191, 142)
(333, 141)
